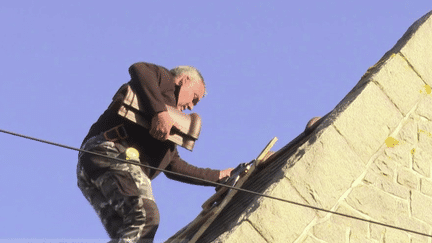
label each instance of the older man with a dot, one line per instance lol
(119, 192)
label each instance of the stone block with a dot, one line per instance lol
(354, 238)
(358, 230)
(384, 234)
(424, 107)
(367, 122)
(422, 162)
(330, 232)
(421, 207)
(355, 225)
(425, 126)
(400, 82)
(396, 236)
(377, 232)
(425, 140)
(279, 221)
(413, 224)
(386, 184)
(401, 154)
(426, 186)
(311, 239)
(384, 165)
(417, 47)
(242, 233)
(425, 135)
(379, 205)
(419, 239)
(323, 171)
(408, 132)
(407, 178)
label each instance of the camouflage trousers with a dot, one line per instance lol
(121, 196)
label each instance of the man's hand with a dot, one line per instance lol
(225, 173)
(161, 125)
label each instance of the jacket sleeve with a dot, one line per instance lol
(180, 166)
(146, 81)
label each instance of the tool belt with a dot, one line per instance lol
(116, 133)
(126, 104)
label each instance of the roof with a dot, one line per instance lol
(345, 163)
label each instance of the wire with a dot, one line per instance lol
(214, 183)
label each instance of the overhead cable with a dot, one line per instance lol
(216, 183)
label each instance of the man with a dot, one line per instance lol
(119, 192)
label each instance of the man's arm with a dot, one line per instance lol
(146, 79)
(145, 82)
(180, 166)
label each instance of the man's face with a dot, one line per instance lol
(191, 92)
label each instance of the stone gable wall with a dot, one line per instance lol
(371, 158)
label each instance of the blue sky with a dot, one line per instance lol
(269, 66)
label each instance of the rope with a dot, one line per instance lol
(216, 183)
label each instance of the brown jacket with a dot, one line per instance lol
(155, 87)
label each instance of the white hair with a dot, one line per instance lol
(193, 73)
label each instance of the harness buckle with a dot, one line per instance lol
(116, 133)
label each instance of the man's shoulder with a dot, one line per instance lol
(163, 71)
(149, 65)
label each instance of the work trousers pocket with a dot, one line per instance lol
(95, 165)
(121, 181)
